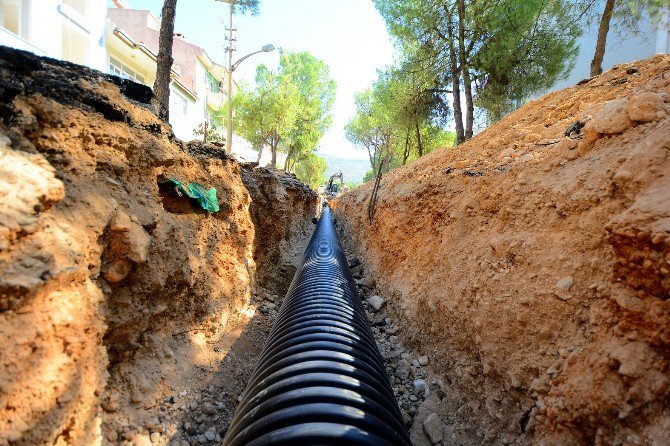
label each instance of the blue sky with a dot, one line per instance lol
(349, 35)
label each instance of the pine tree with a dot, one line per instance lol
(164, 61)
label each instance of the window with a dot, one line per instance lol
(178, 103)
(74, 46)
(123, 71)
(213, 84)
(10, 15)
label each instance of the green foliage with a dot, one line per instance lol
(398, 119)
(310, 170)
(244, 6)
(510, 66)
(370, 174)
(495, 51)
(214, 133)
(288, 110)
(263, 115)
(316, 98)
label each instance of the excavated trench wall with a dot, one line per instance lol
(111, 289)
(534, 267)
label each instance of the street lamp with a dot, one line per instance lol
(231, 68)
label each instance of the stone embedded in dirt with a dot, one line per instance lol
(507, 153)
(421, 387)
(136, 397)
(565, 284)
(128, 238)
(151, 423)
(354, 262)
(423, 360)
(210, 435)
(526, 157)
(433, 427)
(376, 302)
(369, 283)
(612, 118)
(142, 440)
(111, 435)
(403, 370)
(117, 270)
(646, 107)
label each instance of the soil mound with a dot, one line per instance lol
(116, 294)
(532, 264)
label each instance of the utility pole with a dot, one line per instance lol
(232, 66)
(229, 126)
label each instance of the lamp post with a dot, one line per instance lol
(231, 68)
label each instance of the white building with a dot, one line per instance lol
(123, 42)
(72, 30)
(132, 49)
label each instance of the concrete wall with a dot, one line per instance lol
(620, 49)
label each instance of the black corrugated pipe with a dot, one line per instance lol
(320, 379)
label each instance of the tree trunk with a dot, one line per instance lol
(260, 155)
(419, 144)
(287, 162)
(456, 88)
(597, 62)
(405, 154)
(274, 143)
(164, 60)
(371, 156)
(373, 196)
(467, 82)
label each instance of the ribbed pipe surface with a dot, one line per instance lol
(320, 379)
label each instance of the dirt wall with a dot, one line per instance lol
(532, 265)
(112, 289)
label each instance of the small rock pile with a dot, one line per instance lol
(192, 414)
(417, 390)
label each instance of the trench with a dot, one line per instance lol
(519, 303)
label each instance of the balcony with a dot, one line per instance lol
(216, 101)
(8, 38)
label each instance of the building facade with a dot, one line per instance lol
(123, 42)
(72, 30)
(196, 94)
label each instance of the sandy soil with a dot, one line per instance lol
(532, 266)
(118, 298)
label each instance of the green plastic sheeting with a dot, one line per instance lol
(206, 198)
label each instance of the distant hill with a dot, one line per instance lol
(352, 170)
